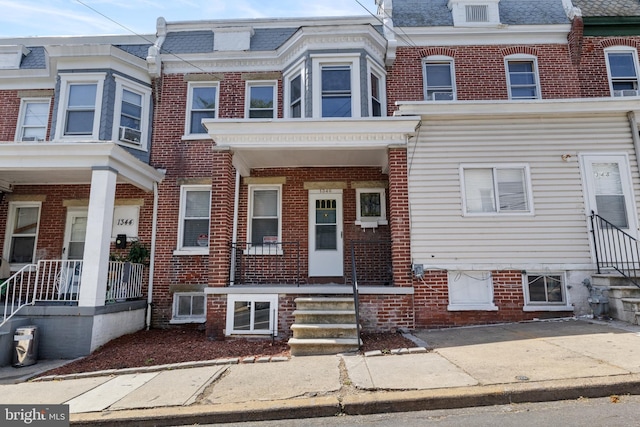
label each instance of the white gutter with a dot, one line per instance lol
(152, 254)
(234, 235)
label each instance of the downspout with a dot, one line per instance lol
(234, 235)
(152, 256)
(633, 122)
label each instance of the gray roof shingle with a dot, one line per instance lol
(139, 50)
(35, 60)
(593, 8)
(189, 42)
(270, 38)
(435, 13)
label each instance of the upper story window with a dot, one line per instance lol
(496, 189)
(522, 77)
(131, 113)
(195, 211)
(22, 232)
(336, 86)
(202, 101)
(622, 66)
(80, 106)
(377, 98)
(294, 93)
(439, 79)
(261, 100)
(34, 117)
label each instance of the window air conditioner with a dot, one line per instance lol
(130, 135)
(626, 92)
(442, 96)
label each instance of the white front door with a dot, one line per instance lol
(325, 233)
(74, 234)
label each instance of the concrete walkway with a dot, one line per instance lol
(474, 366)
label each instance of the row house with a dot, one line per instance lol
(438, 162)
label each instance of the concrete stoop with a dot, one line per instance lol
(324, 325)
(624, 298)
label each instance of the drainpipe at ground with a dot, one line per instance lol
(152, 255)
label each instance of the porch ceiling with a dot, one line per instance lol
(70, 163)
(311, 142)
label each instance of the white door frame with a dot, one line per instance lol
(326, 263)
(71, 213)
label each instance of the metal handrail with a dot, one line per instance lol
(356, 296)
(615, 248)
(18, 292)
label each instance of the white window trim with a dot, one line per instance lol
(471, 306)
(189, 250)
(382, 219)
(175, 319)
(545, 306)
(66, 80)
(452, 70)
(536, 71)
(272, 299)
(259, 249)
(145, 92)
(23, 113)
(621, 49)
(379, 72)
(495, 166)
(247, 97)
(350, 60)
(297, 70)
(187, 122)
(13, 208)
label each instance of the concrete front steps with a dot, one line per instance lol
(324, 325)
(624, 297)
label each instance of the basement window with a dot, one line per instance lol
(189, 307)
(252, 315)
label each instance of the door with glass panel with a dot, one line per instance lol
(325, 233)
(72, 252)
(609, 194)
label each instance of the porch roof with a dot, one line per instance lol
(351, 142)
(70, 163)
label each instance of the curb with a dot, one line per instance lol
(364, 403)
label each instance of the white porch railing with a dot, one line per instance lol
(60, 281)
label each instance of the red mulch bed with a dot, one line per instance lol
(162, 346)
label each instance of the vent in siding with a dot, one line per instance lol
(477, 13)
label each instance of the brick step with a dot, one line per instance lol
(324, 330)
(324, 303)
(324, 316)
(309, 347)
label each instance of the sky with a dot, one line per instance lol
(26, 18)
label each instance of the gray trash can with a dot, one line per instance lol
(25, 350)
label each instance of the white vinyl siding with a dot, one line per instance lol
(557, 234)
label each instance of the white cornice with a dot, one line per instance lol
(553, 107)
(467, 36)
(269, 23)
(79, 40)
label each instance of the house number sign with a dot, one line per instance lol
(125, 221)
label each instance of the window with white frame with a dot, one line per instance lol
(545, 289)
(377, 95)
(622, 66)
(195, 210)
(261, 100)
(189, 307)
(470, 290)
(294, 93)
(131, 113)
(80, 106)
(336, 86)
(22, 232)
(371, 206)
(522, 77)
(252, 314)
(496, 189)
(34, 118)
(265, 207)
(202, 101)
(439, 79)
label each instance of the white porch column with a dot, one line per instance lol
(98, 238)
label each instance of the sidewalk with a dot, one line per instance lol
(487, 365)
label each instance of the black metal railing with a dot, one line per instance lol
(614, 248)
(356, 297)
(372, 260)
(265, 264)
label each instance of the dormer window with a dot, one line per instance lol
(473, 13)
